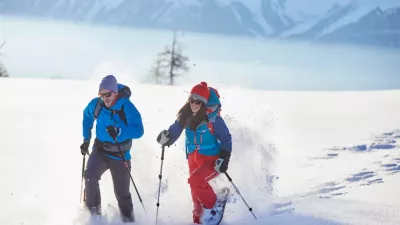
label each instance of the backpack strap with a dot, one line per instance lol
(98, 107)
(121, 114)
(210, 126)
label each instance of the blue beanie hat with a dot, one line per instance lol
(109, 82)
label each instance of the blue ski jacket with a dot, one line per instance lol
(132, 130)
(209, 138)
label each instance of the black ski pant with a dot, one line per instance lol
(97, 164)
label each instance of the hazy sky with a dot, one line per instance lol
(47, 49)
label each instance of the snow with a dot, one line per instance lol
(299, 28)
(93, 11)
(185, 2)
(299, 157)
(275, 165)
(304, 13)
(308, 13)
(255, 9)
(362, 9)
(110, 4)
(299, 11)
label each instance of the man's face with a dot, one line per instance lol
(108, 97)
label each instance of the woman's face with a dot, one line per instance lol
(195, 105)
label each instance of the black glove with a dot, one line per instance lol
(113, 131)
(85, 147)
(221, 164)
(164, 138)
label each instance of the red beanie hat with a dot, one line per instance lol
(200, 92)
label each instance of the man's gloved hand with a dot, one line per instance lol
(164, 138)
(221, 164)
(113, 131)
(85, 147)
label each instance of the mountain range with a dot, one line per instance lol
(364, 22)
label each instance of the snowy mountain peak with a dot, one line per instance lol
(312, 20)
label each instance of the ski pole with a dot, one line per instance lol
(237, 191)
(127, 167)
(159, 184)
(83, 171)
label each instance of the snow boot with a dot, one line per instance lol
(95, 211)
(127, 217)
(196, 219)
(197, 215)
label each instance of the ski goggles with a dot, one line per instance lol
(107, 94)
(195, 101)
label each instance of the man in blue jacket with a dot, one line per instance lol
(118, 122)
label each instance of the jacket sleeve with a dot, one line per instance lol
(88, 119)
(175, 131)
(222, 133)
(134, 129)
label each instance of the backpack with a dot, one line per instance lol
(100, 105)
(216, 91)
(210, 125)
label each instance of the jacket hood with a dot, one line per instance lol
(124, 93)
(213, 105)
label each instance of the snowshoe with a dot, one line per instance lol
(214, 215)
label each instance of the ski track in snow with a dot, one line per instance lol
(388, 165)
(332, 189)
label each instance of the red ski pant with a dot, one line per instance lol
(201, 169)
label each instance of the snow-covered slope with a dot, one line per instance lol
(303, 158)
(298, 19)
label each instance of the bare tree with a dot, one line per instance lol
(158, 70)
(170, 63)
(3, 70)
